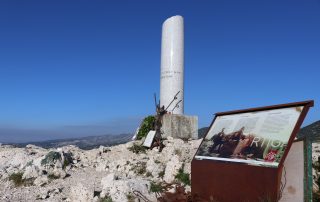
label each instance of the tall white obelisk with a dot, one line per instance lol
(172, 65)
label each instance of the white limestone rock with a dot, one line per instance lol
(111, 172)
(59, 172)
(41, 180)
(155, 167)
(102, 166)
(81, 193)
(103, 149)
(172, 169)
(118, 189)
(31, 172)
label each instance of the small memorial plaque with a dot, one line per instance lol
(149, 139)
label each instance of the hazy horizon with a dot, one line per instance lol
(114, 127)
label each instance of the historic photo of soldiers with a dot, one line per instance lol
(256, 138)
(239, 145)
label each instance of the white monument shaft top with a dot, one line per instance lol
(172, 65)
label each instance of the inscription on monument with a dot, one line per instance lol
(169, 74)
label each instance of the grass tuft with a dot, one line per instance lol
(16, 178)
(130, 197)
(107, 198)
(140, 168)
(161, 174)
(137, 149)
(156, 187)
(53, 177)
(183, 177)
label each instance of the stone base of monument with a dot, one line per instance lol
(180, 126)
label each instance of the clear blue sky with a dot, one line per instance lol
(75, 68)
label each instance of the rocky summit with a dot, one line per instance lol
(121, 173)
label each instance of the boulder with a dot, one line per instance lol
(31, 172)
(172, 169)
(155, 167)
(103, 149)
(41, 180)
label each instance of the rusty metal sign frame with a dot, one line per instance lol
(230, 181)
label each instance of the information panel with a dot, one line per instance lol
(256, 138)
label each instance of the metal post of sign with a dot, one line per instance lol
(308, 181)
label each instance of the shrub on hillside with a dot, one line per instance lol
(16, 178)
(135, 148)
(146, 126)
(51, 158)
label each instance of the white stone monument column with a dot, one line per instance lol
(172, 64)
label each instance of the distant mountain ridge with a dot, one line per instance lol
(88, 142)
(202, 132)
(312, 130)
(91, 142)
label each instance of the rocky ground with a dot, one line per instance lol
(71, 174)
